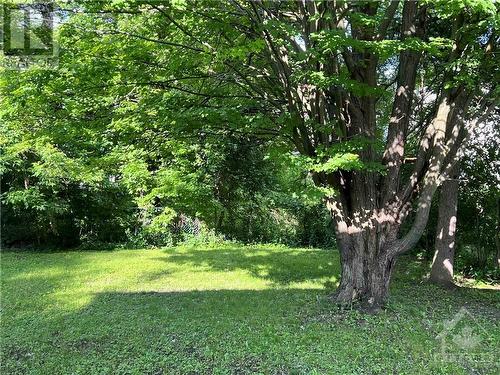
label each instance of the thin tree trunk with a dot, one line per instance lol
(444, 254)
(497, 235)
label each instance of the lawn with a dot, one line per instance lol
(229, 310)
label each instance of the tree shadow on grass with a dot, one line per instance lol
(410, 284)
(280, 330)
(160, 333)
(217, 331)
(279, 267)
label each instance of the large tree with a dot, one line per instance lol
(338, 79)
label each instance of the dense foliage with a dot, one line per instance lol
(70, 175)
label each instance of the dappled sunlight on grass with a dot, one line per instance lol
(277, 266)
(475, 284)
(68, 280)
(229, 309)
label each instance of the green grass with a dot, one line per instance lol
(231, 309)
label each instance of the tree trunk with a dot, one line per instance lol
(442, 264)
(365, 278)
(497, 236)
(366, 262)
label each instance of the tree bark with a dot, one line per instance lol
(365, 277)
(366, 262)
(497, 236)
(442, 264)
(368, 236)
